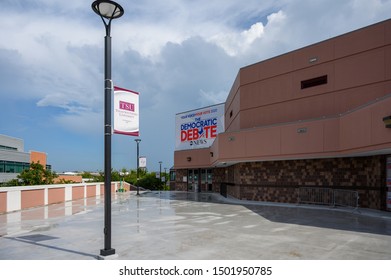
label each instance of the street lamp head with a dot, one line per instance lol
(107, 9)
(137, 140)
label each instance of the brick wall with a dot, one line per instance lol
(179, 184)
(278, 181)
(347, 172)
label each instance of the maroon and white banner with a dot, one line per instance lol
(142, 162)
(126, 112)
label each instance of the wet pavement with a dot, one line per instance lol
(188, 226)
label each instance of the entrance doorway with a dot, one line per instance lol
(199, 180)
(192, 182)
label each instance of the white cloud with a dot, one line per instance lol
(53, 45)
(235, 43)
(81, 120)
(211, 97)
(152, 24)
(179, 55)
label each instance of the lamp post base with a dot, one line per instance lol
(107, 252)
(107, 258)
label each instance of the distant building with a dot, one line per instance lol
(13, 158)
(315, 118)
(72, 177)
(69, 178)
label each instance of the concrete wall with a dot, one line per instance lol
(357, 65)
(18, 198)
(357, 132)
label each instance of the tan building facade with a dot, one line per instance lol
(38, 157)
(315, 118)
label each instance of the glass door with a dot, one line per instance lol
(192, 183)
(199, 180)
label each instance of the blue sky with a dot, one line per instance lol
(180, 55)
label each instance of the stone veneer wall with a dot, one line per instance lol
(346, 172)
(278, 181)
(179, 184)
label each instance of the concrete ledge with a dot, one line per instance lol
(23, 197)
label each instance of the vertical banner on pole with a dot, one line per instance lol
(126, 112)
(142, 162)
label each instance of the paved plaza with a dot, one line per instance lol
(189, 226)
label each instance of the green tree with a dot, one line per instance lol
(37, 175)
(87, 175)
(12, 183)
(115, 177)
(149, 181)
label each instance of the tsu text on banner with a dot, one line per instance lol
(126, 112)
(198, 128)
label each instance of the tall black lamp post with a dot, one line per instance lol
(138, 164)
(107, 10)
(165, 175)
(160, 174)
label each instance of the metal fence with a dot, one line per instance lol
(311, 195)
(328, 196)
(346, 198)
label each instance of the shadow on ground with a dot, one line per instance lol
(322, 217)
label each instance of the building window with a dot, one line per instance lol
(2, 147)
(13, 167)
(172, 175)
(314, 82)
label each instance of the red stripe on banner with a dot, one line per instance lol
(127, 133)
(118, 89)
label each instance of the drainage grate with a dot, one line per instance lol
(37, 237)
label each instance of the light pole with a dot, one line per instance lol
(138, 158)
(108, 10)
(160, 174)
(165, 175)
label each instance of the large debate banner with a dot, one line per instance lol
(198, 128)
(126, 112)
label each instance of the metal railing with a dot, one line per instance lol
(328, 196)
(311, 195)
(346, 198)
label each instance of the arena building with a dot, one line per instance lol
(311, 125)
(13, 158)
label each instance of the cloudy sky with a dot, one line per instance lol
(179, 54)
